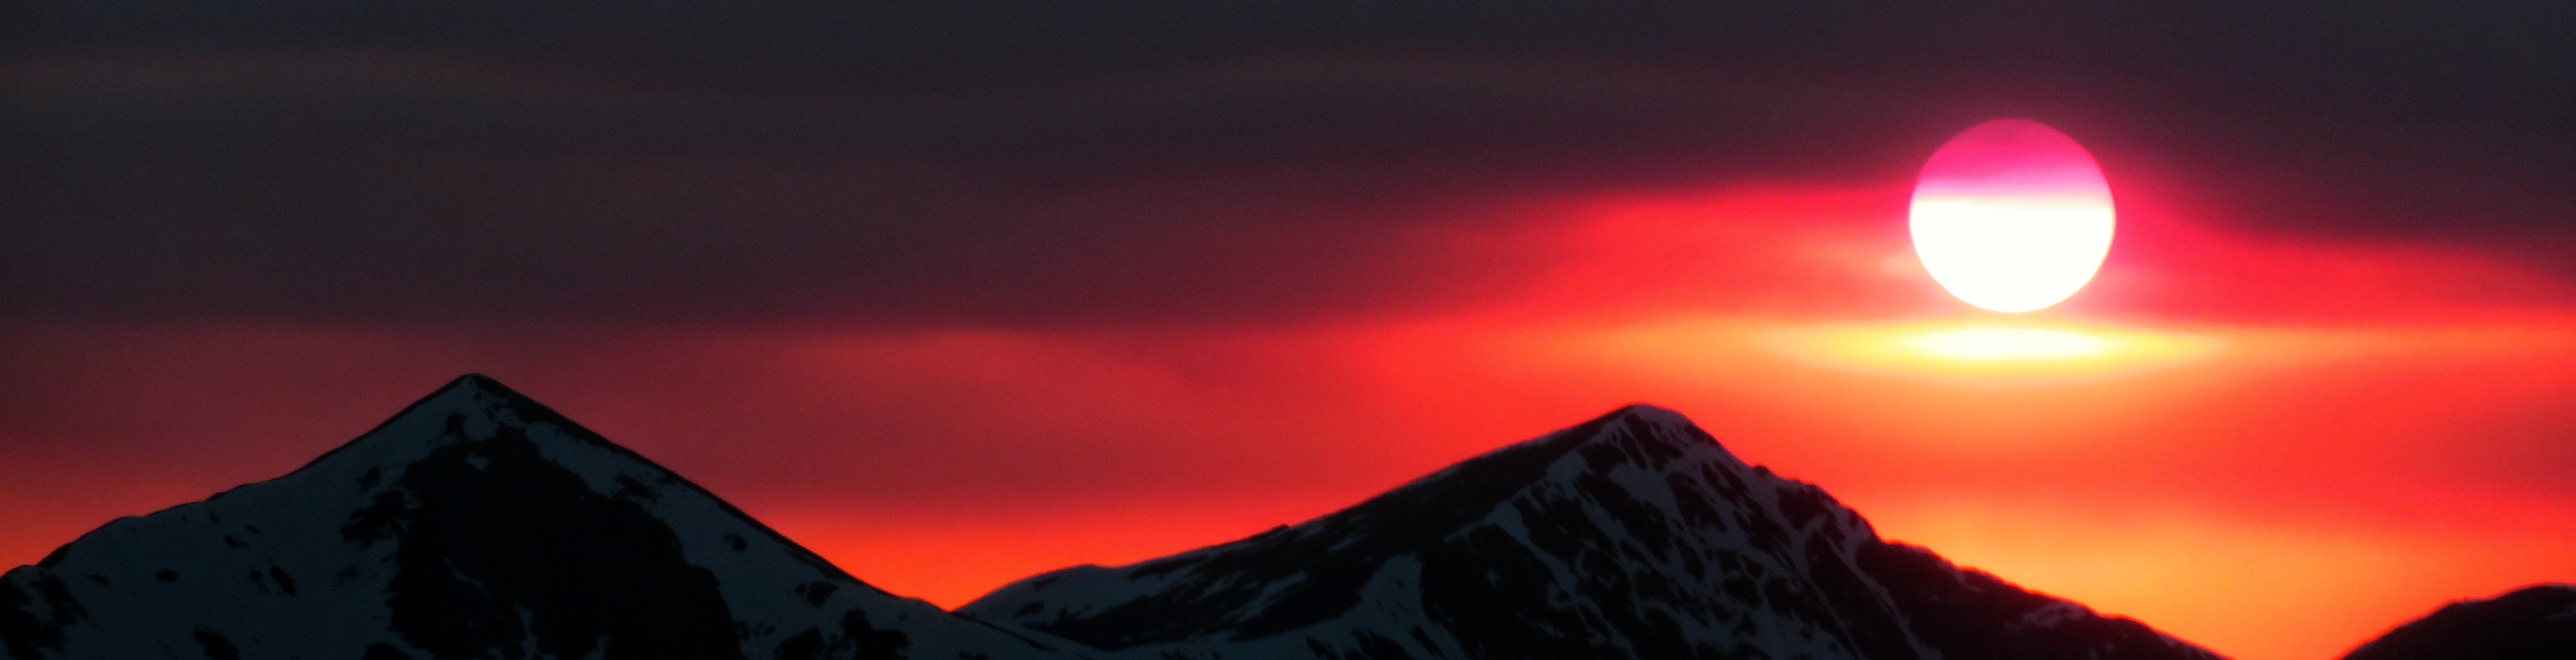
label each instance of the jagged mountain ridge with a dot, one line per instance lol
(1633, 535)
(2533, 623)
(474, 524)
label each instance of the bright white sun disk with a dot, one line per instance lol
(2012, 216)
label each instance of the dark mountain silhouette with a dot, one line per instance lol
(479, 524)
(475, 524)
(1631, 536)
(2535, 623)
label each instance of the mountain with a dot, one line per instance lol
(1630, 536)
(475, 524)
(480, 524)
(2535, 623)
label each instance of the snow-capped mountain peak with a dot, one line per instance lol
(1634, 535)
(476, 523)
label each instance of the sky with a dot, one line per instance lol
(959, 293)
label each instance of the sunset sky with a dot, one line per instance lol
(958, 294)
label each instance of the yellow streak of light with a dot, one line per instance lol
(1987, 352)
(1989, 343)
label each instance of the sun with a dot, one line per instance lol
(2012, 216)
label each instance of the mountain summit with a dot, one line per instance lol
(1633, 535)
(475, 524)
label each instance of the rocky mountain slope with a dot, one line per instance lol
(475, 524)
(1631, 536)
(2536, 623)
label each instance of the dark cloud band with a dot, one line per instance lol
(1002, 163)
